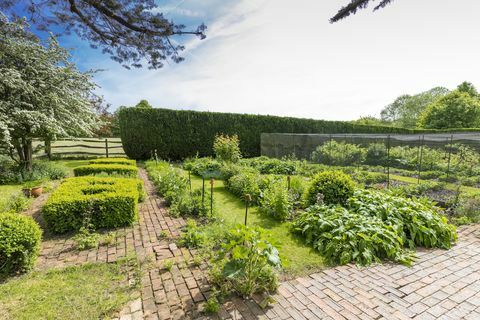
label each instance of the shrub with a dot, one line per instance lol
(93, 169)
(227, 148)
(376, 154)
(10, 172)
(192, 236)
(276, 201)
(144, 130)
(369, 178)
(186, 204)
(17, 203)
(124, 161)
(106, 202)
(266, 165)
(246, 262)
(244, 183)
(338, 153)
(468, 210)
(206, 167)
(342, 236)
(334, 186)
(20, 239)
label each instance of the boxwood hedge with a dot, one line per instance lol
(177, 134)
(114, 160)
(113, 168)
(105, 202)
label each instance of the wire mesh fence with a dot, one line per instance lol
(452, 157)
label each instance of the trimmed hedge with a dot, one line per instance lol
(105, 202)
(113, 168)
(114, 161)
(20, 238)
(178, 134)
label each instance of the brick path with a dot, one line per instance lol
(440, 285)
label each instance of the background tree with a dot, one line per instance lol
(371, 121)
(143, 104)
(128, 30)
(455, 110)
(469, 88)
(406, 109)
(42, 94)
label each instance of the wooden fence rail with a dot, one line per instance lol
(108, 147)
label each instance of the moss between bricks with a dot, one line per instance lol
(103, 202)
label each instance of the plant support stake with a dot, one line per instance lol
(203, 192)
(190, 182)
(248, 198)
(212, 181)
(388, 162)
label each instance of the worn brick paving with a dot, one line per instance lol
(442, 284)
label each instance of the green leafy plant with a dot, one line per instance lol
(246, 262)
(342, 236)
(20, 238)
(168, 264)
(277, 201)
(190, 204)
(212, 305)
(192, 236)
(467, 210)
(86, 239)
(244, 183)
(227, 148)
(330, 187)
(338, 153)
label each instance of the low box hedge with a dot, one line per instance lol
(103, 202)
(20, 238)
(113, 168)
(114, 161)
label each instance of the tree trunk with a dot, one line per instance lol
(27, 153)
(48, 148)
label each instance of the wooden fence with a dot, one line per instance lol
(80, 147)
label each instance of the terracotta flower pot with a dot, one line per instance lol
(37, 191)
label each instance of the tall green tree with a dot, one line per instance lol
(455, 110)
(143, 104)
(42, 94)
(406, 109)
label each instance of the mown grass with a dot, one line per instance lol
(297, 257)
(90, 291)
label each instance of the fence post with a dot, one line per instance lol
(106, 147)
(421, 158)
(388, 161)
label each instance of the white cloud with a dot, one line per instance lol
(283, 57)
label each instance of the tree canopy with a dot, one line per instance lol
(42, 94)
(130, 31)
(455, 110)
(406, 109)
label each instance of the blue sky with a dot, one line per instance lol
(283, 57)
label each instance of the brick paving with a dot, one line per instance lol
(442, 284)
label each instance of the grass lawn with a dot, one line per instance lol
(297, 257)
(90, 291)
(71, 164)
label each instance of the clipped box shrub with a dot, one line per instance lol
(114, 161)
(20, 238)
(335, 187)
(103, 202)
(92, 169)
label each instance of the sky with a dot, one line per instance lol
(283, 57)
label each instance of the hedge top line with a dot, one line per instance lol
(177, 134)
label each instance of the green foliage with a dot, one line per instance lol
(227, 148)
(266, 165)
(11, 173)
(277, 201)
(85, 239)
(243, 184)
(406, 109)
(17, 203)
(168, 265)
(124, 161)
(92, 169)
(212, 305)
(455, 110)
(106, 202)
(143, 104)
(186, 204)
(417, 222)
(342, 236)
(144, 130)
(467, 210)
(333, 187)
(20, 239)
(246, 262)
(338, 153)
(192, 236)
(204, 167)
(376, 154)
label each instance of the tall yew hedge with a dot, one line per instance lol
(177, 134)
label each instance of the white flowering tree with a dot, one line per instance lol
(42, 94)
